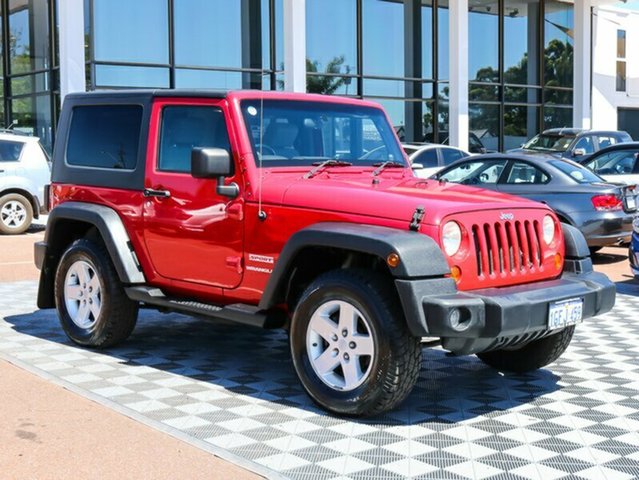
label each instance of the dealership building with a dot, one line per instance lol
(494, 70)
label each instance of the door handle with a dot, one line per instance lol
(150, 192)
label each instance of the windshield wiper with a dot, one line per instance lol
(388, 164)
(326, 163)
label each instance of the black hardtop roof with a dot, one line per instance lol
(148, 94)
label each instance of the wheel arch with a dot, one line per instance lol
(72, 220)
(326, 246)
(33, 200)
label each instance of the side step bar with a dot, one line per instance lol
(239, 312)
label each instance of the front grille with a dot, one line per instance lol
(507, 248)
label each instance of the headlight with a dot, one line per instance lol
(548, 229)
(451, 238)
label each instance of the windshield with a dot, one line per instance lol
(299, 133)
(550, 143)
(577, 172)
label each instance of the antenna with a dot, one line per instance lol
(261, 214)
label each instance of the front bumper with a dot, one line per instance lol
(500, 317)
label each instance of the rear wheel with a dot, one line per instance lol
(350, 344)
(16, 214)
(93, 308)
(533, 355)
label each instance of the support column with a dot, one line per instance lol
(413, 69)
(581, 117)
(72, 62)
(295, 45)
(458, 41)
(251, 43)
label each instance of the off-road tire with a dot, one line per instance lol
(25, 205)
(396, 363)
(533, 355)
(117, 314)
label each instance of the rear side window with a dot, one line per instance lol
(427, 158)
(451, 155)
(10, 151)
(104, 136)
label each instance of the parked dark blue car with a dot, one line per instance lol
(634, 249)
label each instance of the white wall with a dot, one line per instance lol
(605, 98)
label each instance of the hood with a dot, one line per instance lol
(396, 196)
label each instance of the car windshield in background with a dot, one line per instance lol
(550, 143)
(297, 133)
(577, 172)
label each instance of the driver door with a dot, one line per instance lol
(192, 233)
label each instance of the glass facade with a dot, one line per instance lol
(29, 68)
(176, 46)
(395, 52)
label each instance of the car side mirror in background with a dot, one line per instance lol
(578, 152)
(214, 163)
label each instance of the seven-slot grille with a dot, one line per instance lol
(507, 247)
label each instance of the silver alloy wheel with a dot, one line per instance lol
(82, 294)
(13, 214)
(340, 345)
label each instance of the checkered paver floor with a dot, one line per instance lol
(232, 390)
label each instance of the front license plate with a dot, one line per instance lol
(564, 313)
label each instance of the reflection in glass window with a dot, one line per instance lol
(131, 31)
(483, 50)
(135, 77)
(520, 124)
(484, 123)
(557, 117)
(29, 32)
(521, 29)
(32, 115)
(185, 78)
(383, 31)
(208, 33)
(336, 50)
(443, 48)
(558, 43)
(621, 44)
(621, 76)
(481, 172)
(427, 158)
(427, 39)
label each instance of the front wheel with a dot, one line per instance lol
(350, 344)
(533, 355)
(93, 308)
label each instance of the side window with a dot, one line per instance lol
(585, 143)
(427, 158)
(614, 163)
(10, 151)
(104, 136)
(482, 172)
(186, 127)
(451, 155)
(526, 173)
(606, 141)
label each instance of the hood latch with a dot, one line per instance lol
(418, 215)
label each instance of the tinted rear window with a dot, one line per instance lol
(10, 151)
(104, 136)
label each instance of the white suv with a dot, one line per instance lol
(24, 172)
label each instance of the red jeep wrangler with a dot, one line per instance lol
(302, 212)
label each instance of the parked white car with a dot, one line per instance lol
(24, 172)
(432, 157)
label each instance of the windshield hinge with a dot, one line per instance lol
(418, 215)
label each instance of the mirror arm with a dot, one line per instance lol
(232, 190)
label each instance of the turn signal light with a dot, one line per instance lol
(558, 261)
(607, 203)
(455, 273)
(392, 260)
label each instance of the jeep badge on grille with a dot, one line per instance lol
(506, 216)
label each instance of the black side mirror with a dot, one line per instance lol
(214, 163)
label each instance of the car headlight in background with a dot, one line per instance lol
(548, 227)
(451, 238)
(635, 224)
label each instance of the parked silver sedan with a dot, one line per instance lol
(432, 157)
